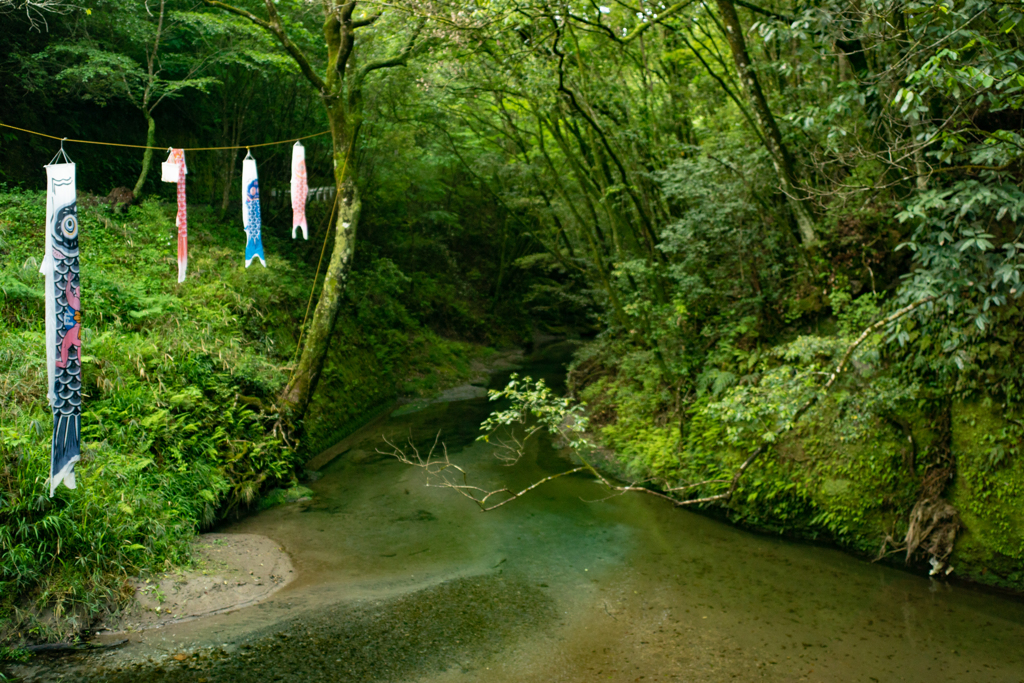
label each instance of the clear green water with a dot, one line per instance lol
(626, 589)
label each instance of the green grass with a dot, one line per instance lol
(177, 382)
(168, 446)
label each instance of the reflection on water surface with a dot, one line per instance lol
(402, 582)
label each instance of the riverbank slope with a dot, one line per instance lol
(879, 466)
(179, 383)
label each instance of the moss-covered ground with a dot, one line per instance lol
(178, 396)
(849, 472)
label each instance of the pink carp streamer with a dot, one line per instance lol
(300, 190)
(174, 172)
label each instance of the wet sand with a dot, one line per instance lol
(232, 571)
(399, 582)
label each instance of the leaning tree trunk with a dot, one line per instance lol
(781, 158)
(343, 105)
(147, 158)
(302, 386)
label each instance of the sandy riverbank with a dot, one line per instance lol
(231, 571)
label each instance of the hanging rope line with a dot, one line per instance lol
(160, 149)
(330, 216)
(312, 290)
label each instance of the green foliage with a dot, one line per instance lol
(854, 314)
(534, 402)
(100, 75)
(282, 496)
(171, 438)
(838, 474)
(9, 654)
(179, 388)
(320, 439)
(592, 170)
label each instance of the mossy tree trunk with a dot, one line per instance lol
(341, 89)
(144, 102)
(306, 374)
(147, 158)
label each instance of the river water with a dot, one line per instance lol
(400, 582)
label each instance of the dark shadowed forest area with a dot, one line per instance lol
(786, 238)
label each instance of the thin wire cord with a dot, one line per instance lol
(187, 149)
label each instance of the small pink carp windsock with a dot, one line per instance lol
(300, 190)
(173, 171)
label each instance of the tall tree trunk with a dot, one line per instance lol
(344, 113)
(300, 389)
(229, 181)
(781, 158)
(147, 158)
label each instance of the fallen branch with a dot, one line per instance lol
(439, 468)
(868, 332)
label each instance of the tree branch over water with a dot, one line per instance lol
(443, 473)
(535, 409)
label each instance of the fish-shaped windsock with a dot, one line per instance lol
(63, 323)
(300, 190)
(173, 171)
(251, 212)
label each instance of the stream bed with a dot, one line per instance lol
(400, 582)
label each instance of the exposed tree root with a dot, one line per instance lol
(934, 523)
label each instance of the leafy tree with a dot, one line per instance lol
(144, 59)
(340, 80)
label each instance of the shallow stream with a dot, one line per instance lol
(400, 582)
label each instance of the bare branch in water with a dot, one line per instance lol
(535, 408)
(443, 473)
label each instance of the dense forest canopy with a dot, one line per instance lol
(739, 203)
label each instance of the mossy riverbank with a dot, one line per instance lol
(865, 465)
(179, 387)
